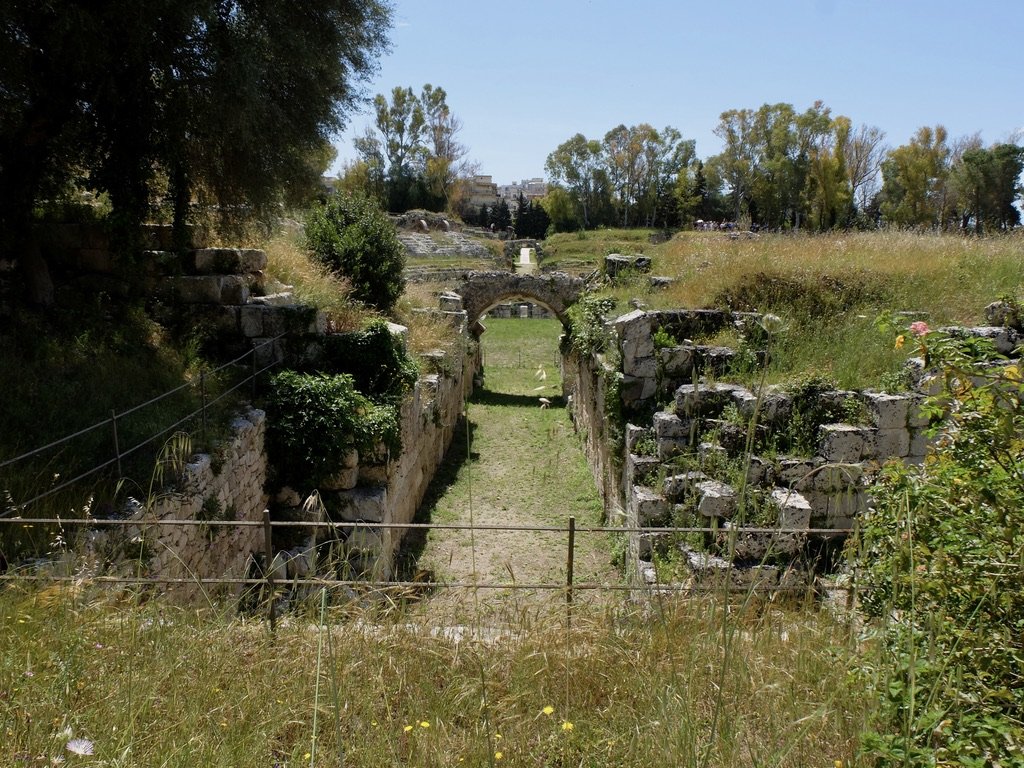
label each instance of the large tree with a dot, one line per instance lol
(227, 101)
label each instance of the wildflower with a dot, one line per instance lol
(497, 737)
(548, 710)
(920, 328)
(407, 728)
(424, 724)
(838, 764)
(80, 746)
(899, 341)
(307, 756)
(1012, 372)
(567, 726)
(498, 755)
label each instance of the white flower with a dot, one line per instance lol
(80, 746)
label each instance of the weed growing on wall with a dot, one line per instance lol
(942, 554)
(587, 333)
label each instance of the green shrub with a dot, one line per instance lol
(942, 555)
(350, 235)
(313, 419)
(376, 360)
(587, 334)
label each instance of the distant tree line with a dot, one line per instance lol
(781, 169)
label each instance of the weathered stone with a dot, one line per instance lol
(190, 289)
(888, 411)
(668, 425)
(669, 447)
(715, 499)
(892, 443)
(677, 362)
(831, 478)
(1002, 313)
(251, 321)
(369, 505)
(703, 400)
(675, 487)
(635, 434)
(344, 479)
(651, 507)
(757, 545)
(845, 443)
(797, 473)
(641, 470)
(794, 509)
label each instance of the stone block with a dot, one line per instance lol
(715, 499)
(640, 470)
(652, 509)
(190, 289)
(675, 487)
(713, 360)
(797, 473)
(251, 321)
(344, 479)
(669, 425)
(375, 473)
(640, 367)
(368, 505)
(832, 478)
(845, 443)
(703, 400)
(892, 443)
(677, 362)
(251, 260)
(760, 472)
(757, 545)
(920, 444)
(794, 509)
(634, 434)
(888, 411)
(634, 390)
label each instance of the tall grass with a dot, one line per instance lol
(151, 684)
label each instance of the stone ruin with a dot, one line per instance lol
(717, 458)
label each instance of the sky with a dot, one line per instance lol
(526, 75)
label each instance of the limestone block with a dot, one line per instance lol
(251, 321)
(677, 362)
(368, 505)
(920, 444)
(844, 509)
(760, 472)
(675, 487)
(640, 367)
(641, 469)
(832, 478)
(797, 473)
(634, 390)
(794, 509)
(669, 425)
(715, 499)
(757, 545)
(713, 360)
(350, 458)
(710, 572)
(916, 418)
(745, 402)
(634, 434)
(251, 260)
(401, 333)
(703, 400)
(712, 452)
(197, 476)
(234, 290)
(189, 289)
(344, 479)
(633, 331)
(669, 447)
(892, 443)
(845, 443)
(651, 507)
(888, 411)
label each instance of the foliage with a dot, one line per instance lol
(587, 334)
(230, 103)
(942, 558)
(313, 419)
(375, 358)
(352, 236)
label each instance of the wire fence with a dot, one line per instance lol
(268, 582)
(120, 452)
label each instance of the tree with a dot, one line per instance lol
(864, 152)
(914, 180)
(352, 236)
(501, 216)
(576, 164)
(227, 102)
(987, 184)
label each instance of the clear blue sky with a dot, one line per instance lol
(526, 75)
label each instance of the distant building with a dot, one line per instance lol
(482, 191)
(531, 189)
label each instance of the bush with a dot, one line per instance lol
(943, 557)
(375, 358)
(351, 236)
(313, 419)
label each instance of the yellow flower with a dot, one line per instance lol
(838, 764)
(497, 737)
(498, 755)
(424, 724)
(306, 756)
(548, 710)
(899, 341)
(407, 728)
(1012, 372)
(567, 726)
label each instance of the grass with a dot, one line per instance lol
(151, 684)
(829, 288)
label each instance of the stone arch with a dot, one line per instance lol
(482, 290)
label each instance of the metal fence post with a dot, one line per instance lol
(268, 571)
(569, 568)
(202, 392)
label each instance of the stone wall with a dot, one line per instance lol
(226, 487)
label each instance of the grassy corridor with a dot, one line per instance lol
(525, 468)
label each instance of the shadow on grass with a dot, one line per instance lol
(487, 397)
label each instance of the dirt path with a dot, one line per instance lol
(526, 468)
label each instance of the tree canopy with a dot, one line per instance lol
(175, 102)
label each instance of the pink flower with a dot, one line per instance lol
(920, 328)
